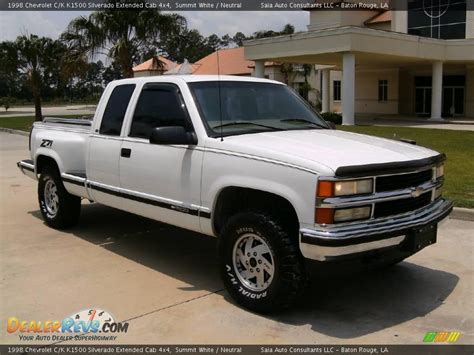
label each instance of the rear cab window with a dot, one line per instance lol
(114, 113)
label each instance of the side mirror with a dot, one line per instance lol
(172, 135)
(331, 125)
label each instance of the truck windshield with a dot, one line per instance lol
(251, 107)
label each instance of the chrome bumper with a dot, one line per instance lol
(330, 242)
(27, 167)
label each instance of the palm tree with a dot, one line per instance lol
(124, 36)
(288, 71)
(36, 56)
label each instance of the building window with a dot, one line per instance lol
(445, 19)
(383, 90)
(337, 90)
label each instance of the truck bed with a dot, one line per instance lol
(84, 124)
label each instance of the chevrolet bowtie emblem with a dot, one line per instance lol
(416, 191)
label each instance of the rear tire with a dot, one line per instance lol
(59, 208)
(261, 266)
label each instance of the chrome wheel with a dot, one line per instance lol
(51, 199)
(253, 262)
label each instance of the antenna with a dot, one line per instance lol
(219, 92)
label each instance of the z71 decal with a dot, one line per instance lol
(46, 143)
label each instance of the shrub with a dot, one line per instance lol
(333, 117)
(5, 103)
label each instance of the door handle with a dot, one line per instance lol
(126, 152)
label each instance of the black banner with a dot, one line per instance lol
(239, 349)
(221, 5)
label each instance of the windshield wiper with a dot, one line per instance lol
(302, 120)
(237, 123)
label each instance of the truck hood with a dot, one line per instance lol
(322, 150)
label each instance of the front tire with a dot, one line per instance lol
(260, 264)
(59, 208)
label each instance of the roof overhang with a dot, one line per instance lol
(372, 47)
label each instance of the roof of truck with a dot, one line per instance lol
(196, 78)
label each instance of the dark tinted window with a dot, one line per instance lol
(445, 19)
(159, 105)
(383, 90)
(337, 90)
(115, 111)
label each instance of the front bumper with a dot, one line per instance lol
(334, 242)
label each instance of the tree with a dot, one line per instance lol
(185, 44)
(239, 39)
(122, 35)
(288, 71)
(36, 58)
(9, 74)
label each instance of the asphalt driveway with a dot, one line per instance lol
(163, 280)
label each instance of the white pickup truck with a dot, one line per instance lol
(248, 161)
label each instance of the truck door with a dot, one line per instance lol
(105, 147)
(162, 181)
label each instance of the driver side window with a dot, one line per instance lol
(159, 105)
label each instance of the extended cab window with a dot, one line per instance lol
(159, 105)
(114, 113)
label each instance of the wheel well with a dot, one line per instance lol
(232, 200)
(42, 161)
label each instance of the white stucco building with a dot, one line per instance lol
(417, 62)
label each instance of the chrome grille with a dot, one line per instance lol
(394, 207)
(397, 182)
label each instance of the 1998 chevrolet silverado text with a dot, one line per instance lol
(245, 160)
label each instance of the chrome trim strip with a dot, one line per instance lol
(74, 178)
(26, 165)
(153, 200)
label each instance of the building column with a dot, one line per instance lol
(348, 88)
(259, 69)
(436, 91)
(325, 106)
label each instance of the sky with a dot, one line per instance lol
(52, 23)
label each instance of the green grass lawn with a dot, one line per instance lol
(24, 123)
(457, 145)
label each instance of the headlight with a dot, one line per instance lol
(345, 188)
(330, 215)
(439, 171)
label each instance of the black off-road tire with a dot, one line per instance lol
(289, 275)
(69, 206)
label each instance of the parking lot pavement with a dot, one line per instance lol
(163, 280)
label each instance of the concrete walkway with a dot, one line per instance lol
(49, 110)
(457, 124)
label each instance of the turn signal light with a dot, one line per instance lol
(324, 215)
